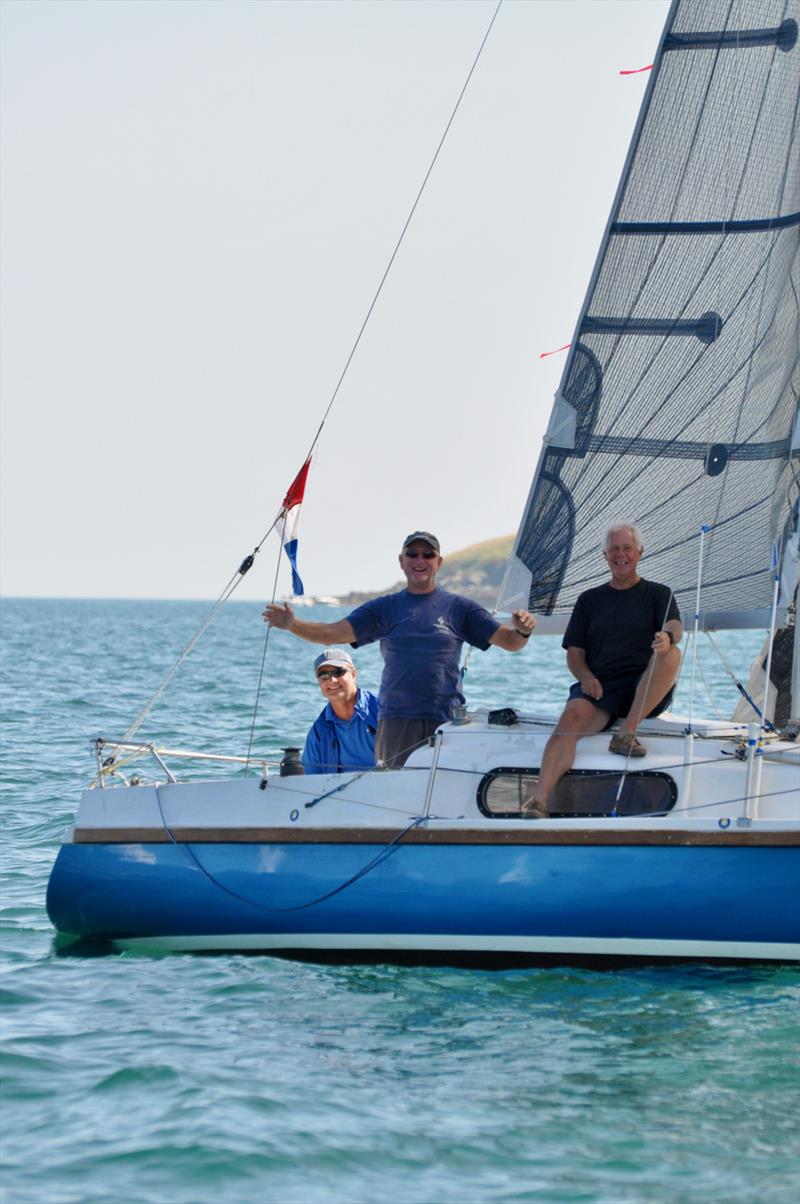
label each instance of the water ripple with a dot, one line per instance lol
(142, 1079)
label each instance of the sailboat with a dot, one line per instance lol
(677, 406)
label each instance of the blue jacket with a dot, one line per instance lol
(336, 745)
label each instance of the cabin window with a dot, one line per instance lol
(581, 794)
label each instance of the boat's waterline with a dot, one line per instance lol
(415, 860)
(445, 943)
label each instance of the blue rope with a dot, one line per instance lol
(385, 852)
(336, 789)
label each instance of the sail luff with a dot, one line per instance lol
(515, 589)
(677, 398)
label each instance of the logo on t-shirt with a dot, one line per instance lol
(441, 624)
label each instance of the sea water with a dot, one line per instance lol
(237, 1079)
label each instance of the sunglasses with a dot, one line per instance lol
(325, 674)
(414, 555)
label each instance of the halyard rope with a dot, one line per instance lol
(247, 562)
(640, 717)
(264, 651)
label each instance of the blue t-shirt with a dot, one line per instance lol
(335, 745)
(421, 637)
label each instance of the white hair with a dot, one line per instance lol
(635, 531)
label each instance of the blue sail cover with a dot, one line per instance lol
(679, 398)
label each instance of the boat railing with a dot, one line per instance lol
(112, 755)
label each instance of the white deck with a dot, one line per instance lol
(712, 790)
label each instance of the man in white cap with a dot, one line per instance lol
(343, 736)
(421, 631)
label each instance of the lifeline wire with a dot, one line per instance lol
(741, 798)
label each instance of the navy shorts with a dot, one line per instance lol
(618, 696)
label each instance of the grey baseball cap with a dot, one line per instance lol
(424, 537)
(333, 656)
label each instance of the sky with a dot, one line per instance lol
(199, 199)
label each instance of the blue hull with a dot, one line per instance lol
(457, 897)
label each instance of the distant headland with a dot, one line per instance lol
(476, 571)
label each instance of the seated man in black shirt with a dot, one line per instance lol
(621, 644)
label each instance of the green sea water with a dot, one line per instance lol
(237, 1079)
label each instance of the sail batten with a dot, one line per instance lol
(707, 327)
(784, 36)
(680, 392)
(731, 226)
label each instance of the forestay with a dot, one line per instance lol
(678, 404)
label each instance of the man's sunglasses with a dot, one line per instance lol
(414, 555)
(324, 674)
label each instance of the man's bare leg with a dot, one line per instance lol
(657, 680)
(579, 718)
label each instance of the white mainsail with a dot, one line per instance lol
(679, 399)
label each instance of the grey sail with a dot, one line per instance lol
(678, 405)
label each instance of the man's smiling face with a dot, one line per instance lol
(420, 563)
(622, 553)
(337, 683)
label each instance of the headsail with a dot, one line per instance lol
(678, 403)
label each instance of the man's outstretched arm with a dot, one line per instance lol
(283, 616)
(514, 635)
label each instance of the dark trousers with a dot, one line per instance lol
(397, 739)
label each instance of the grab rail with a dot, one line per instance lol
(110, 766)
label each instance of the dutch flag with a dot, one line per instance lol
(291, 522)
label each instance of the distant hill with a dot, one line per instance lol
(476, 571)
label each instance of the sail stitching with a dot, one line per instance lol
(760, 293)
(713, 264)
(609, 499)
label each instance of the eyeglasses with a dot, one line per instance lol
(324, 674)
(414, 555)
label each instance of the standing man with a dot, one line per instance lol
(621, 644)
(343, 735)
(421, 630)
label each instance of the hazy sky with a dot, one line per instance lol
(199, 200)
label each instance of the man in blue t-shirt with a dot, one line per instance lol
(621, 643)
(343, 735)
(421, 630)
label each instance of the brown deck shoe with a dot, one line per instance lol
(625, 744)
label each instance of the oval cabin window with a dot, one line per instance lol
(581, 794)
